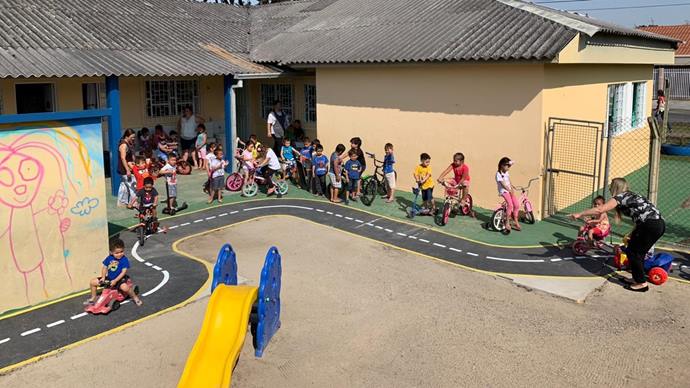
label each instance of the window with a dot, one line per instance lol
(310, 103)
(93, 95)
(169, 97)
(279, 92)
(35, 98)
(626, 106)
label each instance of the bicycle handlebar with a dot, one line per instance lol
(529, 183)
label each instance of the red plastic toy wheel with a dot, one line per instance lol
(657, 276)
(446, 214)
(234, 182)
(580, 247)
(467, 209)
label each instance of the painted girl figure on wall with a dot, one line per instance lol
(42, 173)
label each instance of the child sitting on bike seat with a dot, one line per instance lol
(114, 270)
(146, 198)
(287, 155)
(461, 175)
(248, 160)
(597, 227)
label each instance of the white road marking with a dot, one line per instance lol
(157, 268)
(222, 214)
(349, 218)
(73, 317)
(330, 213)
(2, 341)
(174, 226)
(29, 332)
(515, 260)
(185, 224)
(279, 206)
(555, 260)
(567, 258)
(60, 322)
(388, 230)
(412, 237)
(148, 264)
(472, 254)
(455, 250)
(369, 224)
(439, 245)
(166, 277)
(320, 210)
(134, 249)
(424, 240)
(401, 234)
(234, 212)
(359, 221)
(125, 302)
(197, 221)
(378, 227)
(210, 218)
(339, 215)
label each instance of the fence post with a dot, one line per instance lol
(654, 159)
(667, 93)
(607, 166)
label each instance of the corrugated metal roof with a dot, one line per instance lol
(122, 37)
(680, 32)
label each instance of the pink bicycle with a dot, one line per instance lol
(499, 217)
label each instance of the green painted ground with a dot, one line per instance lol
(555, 230)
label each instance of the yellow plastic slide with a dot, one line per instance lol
(220, 341)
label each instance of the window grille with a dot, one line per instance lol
(166, 98)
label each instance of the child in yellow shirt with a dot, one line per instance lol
(422, 175)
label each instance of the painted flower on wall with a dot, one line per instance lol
(85, 206)
(65, 223)
(57, 203)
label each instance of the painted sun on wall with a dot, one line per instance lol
(53, 224)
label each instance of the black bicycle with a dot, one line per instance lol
(375, 184)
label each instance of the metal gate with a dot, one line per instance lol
(574, 153)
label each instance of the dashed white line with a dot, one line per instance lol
(412, 237)
(331, 213)
(555, 260)
(278, 206)
(515, 260)
(197, 221)
(185, 224)
(134, 248)
(60, 322)
(148, 264)
(166, 277)
(125, 301)
(455, 250)
(73, 317)
(401, 234)
(388, 230)
(359, 221)
(378, 227)
(210, 218)
(472, 254)
(320, 210)
(222, 214)
(424, 240)
(369, 224)
(2, 341)
(29, 332)
(157, 268)
(349, 218)
(339, 215)
(439, 245)
(234, 212)
(174, 227)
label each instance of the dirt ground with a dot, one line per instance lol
(358, 314)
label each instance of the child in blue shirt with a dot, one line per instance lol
(287, 154)
(354, 172)
(114, 269)
(320, 169)
(389, 172)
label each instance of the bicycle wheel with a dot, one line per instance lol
(383, 186)
(529, 218)
(369, 192)
(234, 182)
(250, 189)
(142, 235)
(446, 213)
(498, 220)
(580, 247)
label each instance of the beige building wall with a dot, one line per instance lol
(485, 111)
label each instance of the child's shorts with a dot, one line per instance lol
(352, 186)
(334, 182)
(428, 194)
(390, 178)
(217, 183)
(172, 191)
(202, 152)
(599, 234)
(289, 163)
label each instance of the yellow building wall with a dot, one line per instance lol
(580, 92)
(53, 221)
(485, 111)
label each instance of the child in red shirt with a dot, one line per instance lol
(461, 175)
(141, 168)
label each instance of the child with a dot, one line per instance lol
(334, 173)
(319, 169)
(147, 197)
(141, 170)
(505, 190)
(217, 169)
(354, 172)
(200, 146)
(170, 172)
(287, 154)
(389, 172)
(248, 161)
(422, 175)
(461, 175)
(210, 155)
(600, 224)
(144, 140)
(257, 144)
(114, 269)
(305, 158)
(356, 145)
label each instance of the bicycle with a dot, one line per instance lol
(499, 217)
(453, 205)
(374, 184)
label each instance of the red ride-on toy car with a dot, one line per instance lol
(109, 299)
(582, 244)
(657, 266)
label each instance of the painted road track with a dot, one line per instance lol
(168, 279)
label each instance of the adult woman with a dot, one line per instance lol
(270, 164)
(649, 227)
(126, 155)
(276, 124)
(187, 128)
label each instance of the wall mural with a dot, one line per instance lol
(53, 223)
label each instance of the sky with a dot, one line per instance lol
(655, 13)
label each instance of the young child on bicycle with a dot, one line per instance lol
(335, 173)
(505, 190)
(354, 173)
(217, 169)
(597, 227)
(114, 270)
(287, 155)
(422, 175)
(146, 198)
(305, 155)
(389, 172)
(320, 169)
(170, 173)
(141, 169)
(461, 176)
